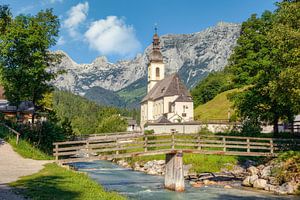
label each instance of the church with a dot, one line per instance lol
(167, 100)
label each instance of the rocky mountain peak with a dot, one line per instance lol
(193, 56)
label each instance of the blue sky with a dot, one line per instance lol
(119, 29)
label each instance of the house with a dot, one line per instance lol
(22, 113)
(166, 97)
(132, 125)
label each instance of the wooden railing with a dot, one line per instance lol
(12, 131)
(124, 145)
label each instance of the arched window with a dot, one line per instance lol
(157, 72)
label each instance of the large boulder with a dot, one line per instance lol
(270, 188)
(246, 182)
(238, 170)
(265, 173)
(249, 180)
(287, 188)
(260, 183)
(253, 178)
(252, 170)
(273, 180)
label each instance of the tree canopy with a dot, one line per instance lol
(267, 60)
(25, 59)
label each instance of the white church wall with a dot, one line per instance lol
(167, 100)
(189, 128)
(187, 108)
(150, 110)
(144, 113)
(158, 109)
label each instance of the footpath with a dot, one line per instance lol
(12, 167)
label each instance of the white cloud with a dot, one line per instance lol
(61, 41)
(76, 15)
(112, 36)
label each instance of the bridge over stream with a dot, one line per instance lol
(174, 145)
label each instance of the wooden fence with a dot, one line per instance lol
(12, 131)
(129, 145)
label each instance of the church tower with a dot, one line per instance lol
(156, 67)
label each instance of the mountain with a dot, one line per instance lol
(193, 56)
(104, 96)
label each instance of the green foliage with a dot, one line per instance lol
(111, 124)
(149, 132)
(25, 58)
(42, 135)
(251, 127)
(86, 117)
(200, 163)
(54, 182)
(267, 59)
(27, 150)
(210, 86)
(24, 148)
(289, 169)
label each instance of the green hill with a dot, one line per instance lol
(217, 108)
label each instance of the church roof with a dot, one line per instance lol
(183, 98)
(169, 86)
(162, 120)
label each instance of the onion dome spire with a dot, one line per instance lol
(156, 55)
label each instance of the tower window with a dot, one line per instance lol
(157, 72)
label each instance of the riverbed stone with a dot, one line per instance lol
(160, 162)
(246, 182)
(270, 188)
(227, 187)
(253, 178)
(288, 187)
(260, 183)
(265, 172)
(253, 170)
(273, 180)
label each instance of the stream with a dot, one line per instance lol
(137, 185)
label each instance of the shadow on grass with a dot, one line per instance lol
(44, 188)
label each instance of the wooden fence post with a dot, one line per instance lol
(117, 145)
(56, 152)
(173, 140)
(224, 144)
(198, 142)
(146, 143)
(87, 148)
(248, 145)
(271, 146)
(17, 140)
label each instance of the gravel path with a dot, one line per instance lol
(12, 167)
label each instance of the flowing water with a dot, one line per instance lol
(137, 185)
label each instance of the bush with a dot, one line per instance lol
(251, 127)
(289, 167)
(111, 124)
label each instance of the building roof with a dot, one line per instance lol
(162, 120)
(183, 98)
(169, 86)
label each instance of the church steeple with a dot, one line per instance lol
(156, 55)
(156, 68)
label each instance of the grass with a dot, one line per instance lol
(200, 163)
(217, 108)
(24, 148)
(54, 182)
